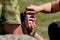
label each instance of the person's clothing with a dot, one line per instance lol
(9, 12)
(54, 31)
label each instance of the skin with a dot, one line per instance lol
(47, 7)
(13, 28)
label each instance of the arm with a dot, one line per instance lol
(51, 6)
(38, 37)
(47, 7)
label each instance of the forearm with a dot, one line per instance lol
(38, 37)
(50, 7)
(35, 35)
(55, 6)
(46, 7)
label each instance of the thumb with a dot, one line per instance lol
(30, 7)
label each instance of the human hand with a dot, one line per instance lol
(31, 21)
(31, 24)
(32, 9)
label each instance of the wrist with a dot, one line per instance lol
(45, 7)
(33, 34)
(41, 8)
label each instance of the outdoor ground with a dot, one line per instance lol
(43, 20)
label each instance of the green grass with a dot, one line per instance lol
(43, 20)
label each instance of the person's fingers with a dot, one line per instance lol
(29, 24)
(31, 12)
(33, 25)
(31, 8)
